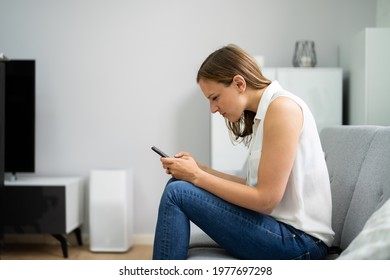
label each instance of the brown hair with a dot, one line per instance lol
(221, 66)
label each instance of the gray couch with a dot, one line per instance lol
(358, 159)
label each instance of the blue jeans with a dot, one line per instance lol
(243, 233)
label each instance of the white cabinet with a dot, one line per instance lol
(320, 88)
(365, 59)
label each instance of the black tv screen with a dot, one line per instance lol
(19, 119)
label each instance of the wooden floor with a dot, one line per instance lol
(75, 252)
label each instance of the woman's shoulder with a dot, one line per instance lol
(284, 107)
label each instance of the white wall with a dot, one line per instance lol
(116, 77)
(383, 13)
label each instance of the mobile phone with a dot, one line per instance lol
(161, 153)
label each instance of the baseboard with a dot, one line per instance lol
(138, 239)
(143, 239)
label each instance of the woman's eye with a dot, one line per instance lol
(215, 98)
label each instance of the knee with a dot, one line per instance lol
(175, 190)
(173, 186)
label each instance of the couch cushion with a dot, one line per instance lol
(203, 247)
(200, 239)
(373, 242)
(345, 149)
(372, 188)
(208, 253)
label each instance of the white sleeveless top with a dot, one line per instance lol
(306, 203)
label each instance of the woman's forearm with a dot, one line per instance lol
(222, 175)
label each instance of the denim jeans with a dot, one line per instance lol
(243, 233)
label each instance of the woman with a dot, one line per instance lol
(282, 210)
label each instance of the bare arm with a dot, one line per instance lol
(222, 175)
(282, 126)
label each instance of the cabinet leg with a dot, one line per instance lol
(63, 242)
(77, 231)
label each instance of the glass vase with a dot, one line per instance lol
(304, 54)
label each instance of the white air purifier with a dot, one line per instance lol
(111, 210)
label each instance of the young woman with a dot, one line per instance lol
(282, 209)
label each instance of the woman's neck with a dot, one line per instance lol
(254, 97)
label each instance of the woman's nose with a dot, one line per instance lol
(213, 108)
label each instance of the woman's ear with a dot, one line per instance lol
(240, 83)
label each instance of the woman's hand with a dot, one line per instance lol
(183, 166)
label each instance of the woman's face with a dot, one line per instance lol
(228, 101)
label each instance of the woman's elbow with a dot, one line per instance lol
(267, 204)
(266, 209)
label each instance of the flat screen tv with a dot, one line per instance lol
(19, 116)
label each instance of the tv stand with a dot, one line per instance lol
(13, 177)
(45, 205)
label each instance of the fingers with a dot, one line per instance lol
(166, 164)
(169, 172)
(175, 166)
(183, 154)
